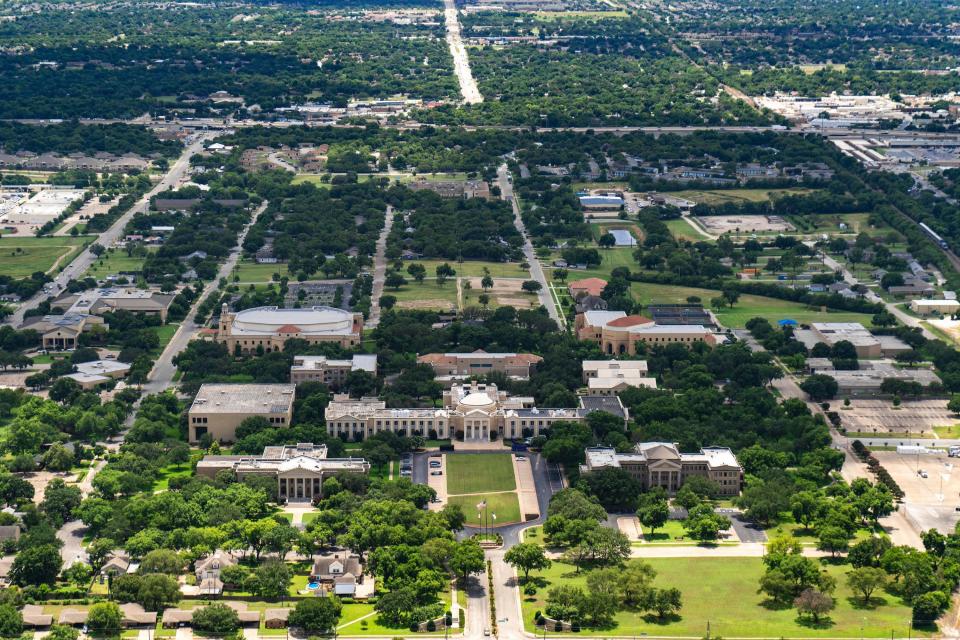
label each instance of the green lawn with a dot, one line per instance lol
(952, 431)
(169, 472)
(22, 255)
(425, 295)
(165, 333)
(610, 260)
(506, 506)
(475, 473)
(747, 307)
(681, 229)
(471, 268)
(722, 593)
(252, 272)
(113, 262)
(721, 196)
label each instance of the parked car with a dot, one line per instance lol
(436, 473)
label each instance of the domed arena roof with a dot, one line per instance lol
(309, 321)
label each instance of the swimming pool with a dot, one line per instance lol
(313, 585)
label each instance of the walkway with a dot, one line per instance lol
(546, 299)
(379, 270)
(461, 61)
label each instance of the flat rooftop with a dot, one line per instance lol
(243, 398)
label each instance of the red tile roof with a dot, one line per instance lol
(289, 328)
(629, 321)
(593, 286)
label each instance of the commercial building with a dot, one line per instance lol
(867, 380)
(299, 469)
(329, 371)
(58, 332)
(219, 409)
(269, 328)
(107, 300)
(456, 367)
(96, 372)
(475, 411)
(660, 464)
(610, 377)
(928, 307)
(866, 344)
(618, 333)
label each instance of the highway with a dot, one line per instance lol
(506, 192)
(461, 61)
(82, 262)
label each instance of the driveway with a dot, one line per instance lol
(746, 531)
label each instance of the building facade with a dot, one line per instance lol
(618, 334)
(269, 328)
(218, 409)
(660, 464)
(610, 377)
(474, 411)
(59, 332)
(329, 371)
(299, 469)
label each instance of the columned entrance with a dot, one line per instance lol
(299, 489)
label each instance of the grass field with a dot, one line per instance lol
(504, 505)
(722, 593)
(425, 295)
(472, 268)
(253, 272)
(721, 196)
(681, 229)
(114, 261)
(746, 308)
(610, 259)
(474, 473)
(21, 256)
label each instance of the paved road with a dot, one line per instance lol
(71, 534)
(506, 192)
(163, 369)
(83, 261)
(379, 270)
(461, 61)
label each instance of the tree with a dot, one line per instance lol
(270, 580)
(820, 387)
(486, 282)
(388, 301)
(216, 619)
(833, 539)
(704, 524)
(467, 558)
(865, 580)
(814, 603)
(560, 274)
(11, 621)
(395, 280)
(158, 591)
(417, 271)
(315, 616)
(927, 607)
(60, 500)
(104, 618)
(653, 516)
(527, 556)
(58, 458)
(98, 551)
(731, 295)
(63, 632)
(607, 546)
(161, 561)
(531, 286)
(954, 404)
(663, 601)
(635, 581)
(607, 240)
(36, 565)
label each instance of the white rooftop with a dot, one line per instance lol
(102, 367)
(243, 398)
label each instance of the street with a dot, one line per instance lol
(461, 61)
(107, 239)
(506, 193)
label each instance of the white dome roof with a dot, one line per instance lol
(309, 320)
(478, 399)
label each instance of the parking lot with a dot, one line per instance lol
(931, 501)
(880, 417)
(727, 224)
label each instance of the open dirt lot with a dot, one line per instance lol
(924, 506)
(880, 416)
(505, 292)
(723, 224)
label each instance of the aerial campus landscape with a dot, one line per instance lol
(466, 318)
